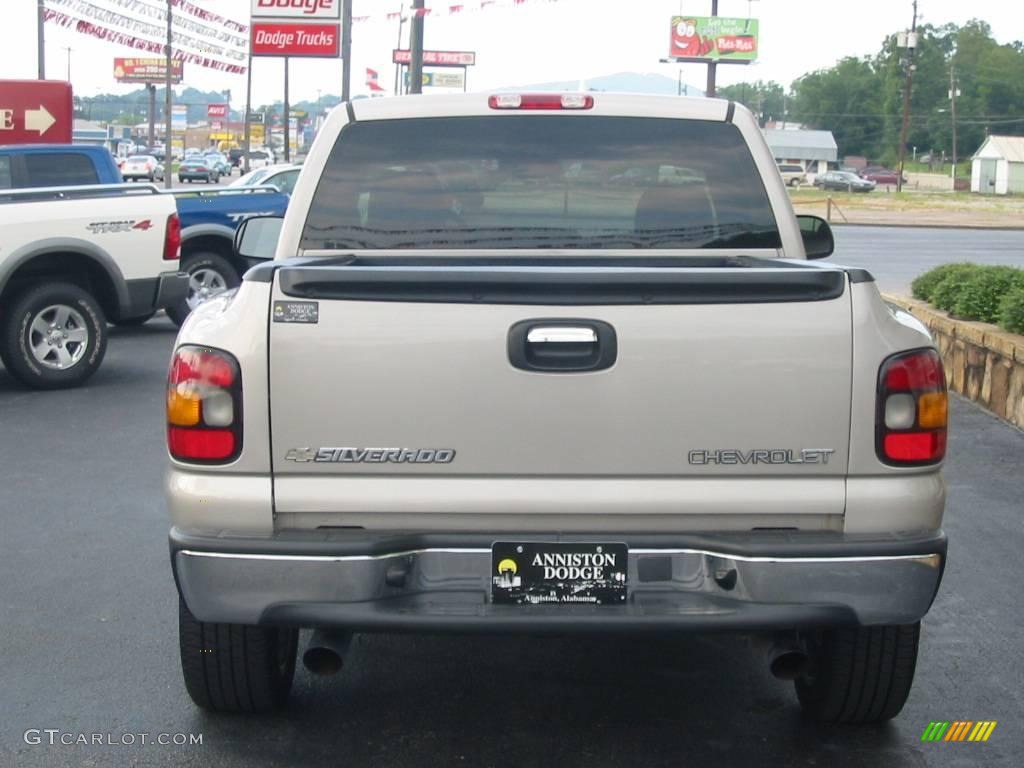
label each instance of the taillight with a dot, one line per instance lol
(541, 101)
(204, 406)
(912, 409)
(172, 238)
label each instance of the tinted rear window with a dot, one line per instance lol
(59, 169)
(550, 181)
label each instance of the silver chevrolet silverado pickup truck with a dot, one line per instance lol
(563, 363)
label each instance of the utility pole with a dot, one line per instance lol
(953, 93)
(416, 48)
(398, 67)
(41, 39)
(68, 49)
(247, 141)
(713, 66)
(346, 50)
(168, 97)
(287, 117)
(151, 92)
(911, 45)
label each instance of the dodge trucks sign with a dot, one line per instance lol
(271, 38)
(35, 112)
(297, 9)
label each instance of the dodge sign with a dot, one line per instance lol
(297, 9)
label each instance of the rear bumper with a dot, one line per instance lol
(150, 294)
(354, 580)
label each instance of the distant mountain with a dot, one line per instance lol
(622, 82)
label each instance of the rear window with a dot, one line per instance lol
(791, 169)
(550, 181)
(6, 179)
(59, 169)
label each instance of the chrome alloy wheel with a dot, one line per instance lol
(204, 284)
(58, 337)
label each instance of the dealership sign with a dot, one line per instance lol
(274, 38)
(147, 70)
(296, 9)
(35, 111)
(713, 38)
(436, 58)
(441, 79)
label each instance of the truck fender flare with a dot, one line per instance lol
(81, 248)
(206, 230)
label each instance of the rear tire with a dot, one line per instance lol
(236, 667)
(859, 674)
(66, 315)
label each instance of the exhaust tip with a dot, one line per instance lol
(322, 661)
(788, 665)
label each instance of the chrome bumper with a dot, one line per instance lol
(438, 587)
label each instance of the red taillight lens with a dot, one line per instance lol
(912, 409)
(172, 238)
(204, 406)
(536, 101)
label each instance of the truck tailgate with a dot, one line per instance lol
(408, 390)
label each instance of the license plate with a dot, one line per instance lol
(539, 572)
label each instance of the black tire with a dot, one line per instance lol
(17, 334)
(859, 674)
(236, 667)
(133, 322)
(209, 261)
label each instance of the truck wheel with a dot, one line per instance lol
(209, 274)
(236, 667)
(55, 337)
(859, 674)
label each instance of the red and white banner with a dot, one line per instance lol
(371, 80)
(270, 38)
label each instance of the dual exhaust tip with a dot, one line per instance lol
(325, 654)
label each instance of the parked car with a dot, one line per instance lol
(281, 176)
(843, 180)
(218, 162)
(145, 167)
(56, 165)
(881, 175)
(327, 470)
(260, 158)
(793, 175)
(74, 259)
(197, 169)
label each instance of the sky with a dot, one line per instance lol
(539, 41)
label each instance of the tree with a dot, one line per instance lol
(766, 100)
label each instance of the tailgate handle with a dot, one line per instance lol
(562, 346)
(561, 335)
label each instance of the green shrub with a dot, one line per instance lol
(946, 293)
(924, 285)
(981, 293)
(1011, 310)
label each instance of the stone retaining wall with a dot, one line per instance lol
(982, 361)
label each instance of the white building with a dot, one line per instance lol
(997, 168)
(812, 150)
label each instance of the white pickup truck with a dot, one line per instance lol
(530, 363)
(73, 258)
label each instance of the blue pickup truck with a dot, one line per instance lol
(209, 219)
(56, 165)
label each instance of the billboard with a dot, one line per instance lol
(147, 71)
(713, 38)
(271, 38)
(217, 110)
(315, 10)
(441, 79)
(179, 117)
(436, 58)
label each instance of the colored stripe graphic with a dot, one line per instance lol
(959, 730)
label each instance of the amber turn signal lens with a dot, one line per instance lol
(932, 410)
(182, 409)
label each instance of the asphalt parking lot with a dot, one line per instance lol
(88, 636)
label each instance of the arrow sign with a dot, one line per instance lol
(35, 111)
(39, 120)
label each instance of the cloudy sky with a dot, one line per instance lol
(541, 40)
